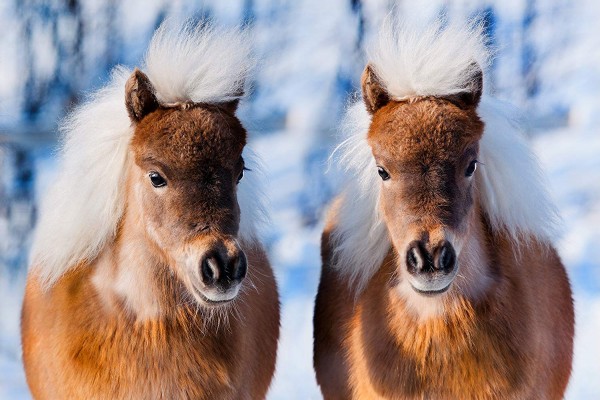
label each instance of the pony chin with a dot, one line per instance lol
(470, 280)
(421, 306)
(212, 297)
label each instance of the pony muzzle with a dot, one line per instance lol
(221, 274)
(431, 269)
(216, 270)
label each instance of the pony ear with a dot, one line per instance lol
(471, 97)
(230, 106)
(374, 94)
(139, 96)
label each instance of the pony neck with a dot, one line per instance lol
(131, 274)
(430, 331)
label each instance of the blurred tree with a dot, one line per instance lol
(529, 66)
(248, 12)
(357, 9)
(52, 40)
(489, 19)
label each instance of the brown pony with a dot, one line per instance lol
(148, 281)
(439, 280)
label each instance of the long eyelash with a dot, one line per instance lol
(247, 169)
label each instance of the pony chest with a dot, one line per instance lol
(434, 361)
(152, 358)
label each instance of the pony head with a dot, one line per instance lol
(426, 151)
(428, 158)
(187, 164)
(161, 151)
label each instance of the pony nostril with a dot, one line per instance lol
(446, 258)
(413, 259)
(210, 271)
(419, 260)
(239, 267)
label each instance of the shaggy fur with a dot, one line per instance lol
(202, 64)
(85, 202)
(511, 184)
(77, 348)
(82, 209)
(432, 60)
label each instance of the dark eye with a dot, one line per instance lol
(156, 179)
(242, 174)
(471, 168)
(383, 173)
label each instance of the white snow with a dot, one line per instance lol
(305, 44)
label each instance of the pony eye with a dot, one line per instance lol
(242, 174)
(471, 168)
(156, 179)
(383, 173)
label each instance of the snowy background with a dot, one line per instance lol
(311, 51)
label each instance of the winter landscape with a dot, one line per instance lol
(311, 54)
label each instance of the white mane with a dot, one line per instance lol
(199, 63)
(412, 60)
(80, 214)
(435, 62)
